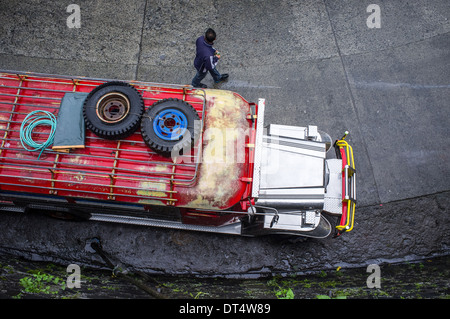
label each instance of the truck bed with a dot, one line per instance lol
(125, 170)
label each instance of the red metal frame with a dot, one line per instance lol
(125, 171)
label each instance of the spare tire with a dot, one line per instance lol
(113, 110)
(170, 124)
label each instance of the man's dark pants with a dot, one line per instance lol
(201, 75)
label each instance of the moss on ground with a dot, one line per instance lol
(426, 279)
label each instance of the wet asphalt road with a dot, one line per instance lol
(315, 62)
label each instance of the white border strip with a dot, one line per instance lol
(258, 147)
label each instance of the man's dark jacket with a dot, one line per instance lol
(205, 60)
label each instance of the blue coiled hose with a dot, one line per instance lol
(31, 121)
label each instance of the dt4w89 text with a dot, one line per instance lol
(236, 308)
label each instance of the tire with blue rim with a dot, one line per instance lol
(170, 124)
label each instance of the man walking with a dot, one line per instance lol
(206, 60)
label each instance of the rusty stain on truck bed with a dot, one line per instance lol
(219, 175)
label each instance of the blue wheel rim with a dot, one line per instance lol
(170, 124)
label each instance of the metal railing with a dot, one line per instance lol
(126, 168)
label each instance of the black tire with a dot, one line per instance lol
(113, 110)
(179, 110)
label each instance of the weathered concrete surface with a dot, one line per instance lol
(315, 62)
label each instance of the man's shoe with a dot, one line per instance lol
(223, 78)
(201, 85)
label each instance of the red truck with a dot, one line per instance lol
(169, 156)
